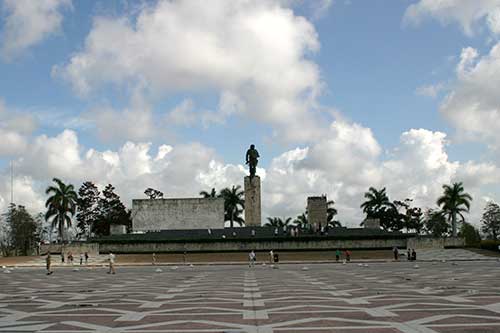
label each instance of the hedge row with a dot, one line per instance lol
(490, 244)
(128, 240)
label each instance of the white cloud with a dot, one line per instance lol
(29, 22)
(344, 165)
(254, 53)
(135, 122)
(467, 13)
(11, 143)
(431, 90)
(14, 130)
(473, 105)
(26, 193)
(23, 123)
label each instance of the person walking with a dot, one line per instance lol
(153, 259)
(251, 259)
(86, 257)
(81, 258)
(348, 255)
(276, 258)
(413, 255)
(395, 251)
(48, 262)
(337, 255)
(408, 254)
(271, 257)
(111, 263)
(62, 257)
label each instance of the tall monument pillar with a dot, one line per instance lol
(316, 211)
(252, 201)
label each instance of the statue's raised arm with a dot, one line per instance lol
(252, 158)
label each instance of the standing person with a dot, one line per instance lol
(408, 254)
(86, 257)
(396, 253)
(271, 257)
(62, 257)
(48, 262)
(70, 258)
(413, 255)
(337, 255)
(348, 255)
(111, 263)
(251, 259)
(81, 258)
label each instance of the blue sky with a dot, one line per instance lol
(359, 99)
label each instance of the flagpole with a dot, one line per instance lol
(12, 182)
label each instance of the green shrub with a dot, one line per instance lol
(490, 244)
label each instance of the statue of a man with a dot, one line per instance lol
(252, 159)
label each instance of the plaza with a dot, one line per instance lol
(438, 296)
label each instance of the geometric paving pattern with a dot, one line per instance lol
(379, 297)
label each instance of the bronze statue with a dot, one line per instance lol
(252, 159)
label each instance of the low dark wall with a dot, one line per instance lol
(75, 248)
(248, 245)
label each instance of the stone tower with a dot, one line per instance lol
(252, 201)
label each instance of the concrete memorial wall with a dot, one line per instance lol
(186, 213)
(316, 210)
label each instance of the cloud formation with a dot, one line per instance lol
(254, 54)
(342, 166)
(29, 22)
(473, 105)
(468, 14)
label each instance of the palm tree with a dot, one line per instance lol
(453, 202)
(376, 201)
(211, 194)
(330, 214)
(278, 222)
(301, 221)
(61, 205)
(233, 204)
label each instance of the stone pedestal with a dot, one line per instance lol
(316, 211)
(252, 201)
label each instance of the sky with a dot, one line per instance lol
(337, 96)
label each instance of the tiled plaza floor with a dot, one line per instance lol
(378, 297)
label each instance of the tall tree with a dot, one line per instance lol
(376, 201)
(411, 217)
(331, 211)
(491, 220)
(233, 204)
(278, 222)
(453, 202)
(470, 233)
(88, 214)
(211, 194)
(23, 229)
(153, 194)
(61, 205)
(436, 223)
(111, 211)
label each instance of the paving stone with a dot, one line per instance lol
(384, 297)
